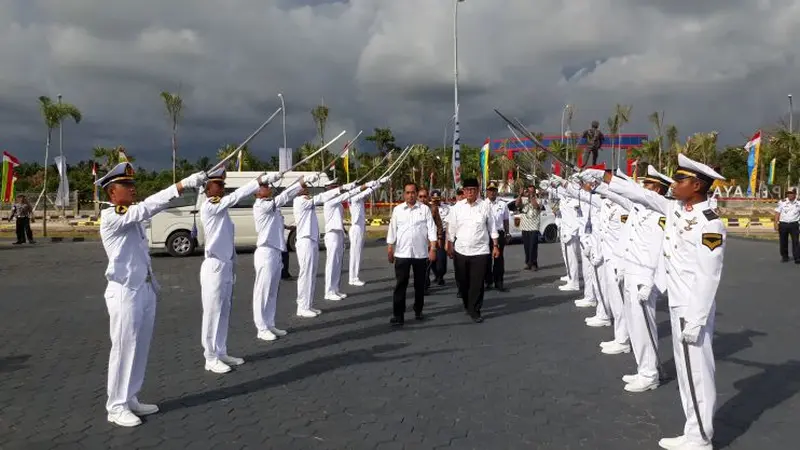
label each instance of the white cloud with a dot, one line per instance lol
(722, 65)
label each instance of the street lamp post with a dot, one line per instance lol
(61, 154)
(283, 116)
(457, 128)
(791, 135)
(444, 140)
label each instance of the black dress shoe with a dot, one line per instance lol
(440, 281)
(458, 294)
(477, 319)
(419, 316)
(502, 288)
(396, 321)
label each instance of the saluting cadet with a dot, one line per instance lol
(586, 241)
(693, 250)
(642, 252)
(334, 240)
(787, 215)
(568, 229)
(132, 288)
(307, 246)
(358, 227)
(267, 257)
(496, 268)
(217, 273)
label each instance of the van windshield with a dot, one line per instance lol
(188, 198)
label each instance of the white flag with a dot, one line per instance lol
(62, 196)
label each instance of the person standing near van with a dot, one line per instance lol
(217, 273)
(307, 245)
(269, 246)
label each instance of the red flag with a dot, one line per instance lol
(94, 169)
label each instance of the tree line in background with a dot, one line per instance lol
(425, 165)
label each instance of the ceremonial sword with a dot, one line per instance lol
(691, 383)
(661, 373)
(364, 177)
(241, 146)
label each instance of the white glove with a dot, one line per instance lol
(373, 184)
(270, 177)
(575, 177)
(644, 293)
(384, 180)
(691, 333)
(596, 260)
(313, 178)
(593, 174)
(348, 187)
(194, 180)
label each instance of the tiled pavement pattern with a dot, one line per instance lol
(531, 376)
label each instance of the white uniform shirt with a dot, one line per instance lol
(268, 218)
(217, 222)
(333, 210)
(501, 214)
(470, 227)
(411, 229)
(693, 250)
(304, 215)
(357, 216)
(789, 211)
(125, 241)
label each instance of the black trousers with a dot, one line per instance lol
(438, 267)
(402, 272)
(586, 154)
(469, 271)
(530, 240)
(496, 268)
(285, 261)
(24, 229)
(785, 230)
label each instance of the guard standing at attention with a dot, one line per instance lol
(132, 288)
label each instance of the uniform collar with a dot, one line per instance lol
(415, 205)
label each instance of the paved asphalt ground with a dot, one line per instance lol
(531, 376)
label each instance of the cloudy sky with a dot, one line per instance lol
(724, 65)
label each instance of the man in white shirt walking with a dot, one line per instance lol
(470, 222)
(411, 243)
(267, 258)
(787, 215)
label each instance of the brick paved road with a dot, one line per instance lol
(530, 377)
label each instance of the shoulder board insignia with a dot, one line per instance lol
(710, 214)
(119, 209)
(712, 240)
(662, 222)
(214, 200)
(623, 218)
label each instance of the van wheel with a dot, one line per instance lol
(180, 243)
(551, 234)
(291, 241)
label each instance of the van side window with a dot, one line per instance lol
(189, 198)
(246, 202)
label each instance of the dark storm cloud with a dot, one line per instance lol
(386, 63)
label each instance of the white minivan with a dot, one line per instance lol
(171, 229)
(548, 230)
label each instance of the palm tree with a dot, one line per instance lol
(384, 140)
(623, 115)
(658, 124)
(786, 145)
(53, 114)
(227, 149)
(320, 116)
(613, 128)
(109, 156)
(673, 148)
(174, 106)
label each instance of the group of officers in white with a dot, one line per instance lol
(632, 244)
(132, 287)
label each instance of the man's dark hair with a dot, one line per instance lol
(411, 184)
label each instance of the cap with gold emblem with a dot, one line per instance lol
(689, 168)
(217, 175)
(491, 187)
(121, 173)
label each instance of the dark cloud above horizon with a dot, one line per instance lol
(386, 63)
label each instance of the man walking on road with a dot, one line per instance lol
(787, 215)
(411, 243)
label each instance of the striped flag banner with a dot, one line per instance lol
(7, 186)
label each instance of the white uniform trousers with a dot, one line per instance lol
(603, 310)
(356, 234)
(571, 250)
(614, 300)
(307, 255)
(564, 256)
(267, 262)
(334, 251)
(589, 280)
(131, 315)
(639, 315)
(216, 285)
(701, 358)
